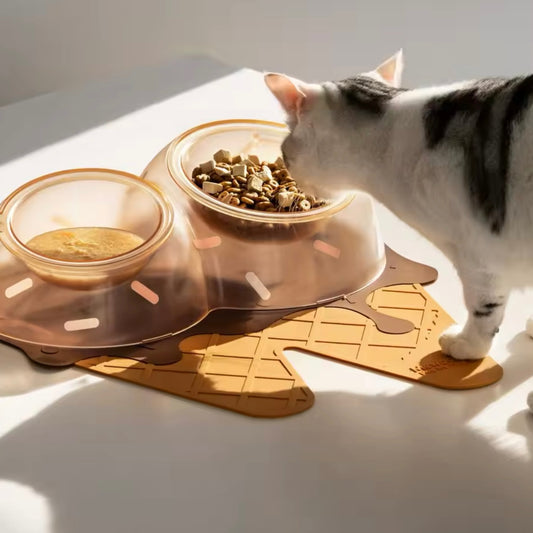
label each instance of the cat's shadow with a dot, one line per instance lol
(383, 440)
(521, 356)
(521, 423)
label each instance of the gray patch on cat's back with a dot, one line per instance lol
(479, 119)
(460, 104)
(367, 94)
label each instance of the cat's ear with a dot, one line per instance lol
(391, 70)
(290, 92)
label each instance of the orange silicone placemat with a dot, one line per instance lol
(250, 374)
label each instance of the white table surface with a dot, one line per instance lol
(83, 454)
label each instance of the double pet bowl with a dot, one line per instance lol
(199, 255)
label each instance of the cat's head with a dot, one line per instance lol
(317, 145)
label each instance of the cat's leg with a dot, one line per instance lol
(529, 326)
(485, 298)
(530, 401)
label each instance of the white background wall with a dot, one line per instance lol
(50, 44)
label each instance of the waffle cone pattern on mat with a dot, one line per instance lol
(250, 374)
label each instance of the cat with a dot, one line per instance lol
(455, 162)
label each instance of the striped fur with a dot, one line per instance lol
(480, 119)
(366, 93)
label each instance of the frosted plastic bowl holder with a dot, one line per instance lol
(199, 257)
(292, 254)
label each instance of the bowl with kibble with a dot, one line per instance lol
(235, 178)
(85, 228)
(252, 225)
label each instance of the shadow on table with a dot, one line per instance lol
(399, 462)
(351, 458)
(31, 124)
(521, 350)
(20, 375)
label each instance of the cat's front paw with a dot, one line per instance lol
(455, 343)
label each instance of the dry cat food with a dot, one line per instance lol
(84, 244)
(247, 182)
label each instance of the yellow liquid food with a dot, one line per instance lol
(84, 244)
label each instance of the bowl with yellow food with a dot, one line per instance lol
(85, 228)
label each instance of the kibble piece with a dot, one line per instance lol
(201, 178)
(289, 184)
(279, 162)
(234, 201)
(280, 174)
(237, 159)
(196, 171)
(208, 166)
(265, 170)
(223, 195)
(284, 199)
(222, 156)
(246, 200)
(304, 205)
(241, 180)
(255, 184)
(263, 205)
(211, 188)
(251, 195)
(226, 184)
(262, 176)
(221, 171)
(235, 190)
(240, 170)
(254, 159)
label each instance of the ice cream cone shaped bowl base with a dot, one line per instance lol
(203, 267)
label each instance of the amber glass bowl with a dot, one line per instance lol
(85, 198)
(244, 137)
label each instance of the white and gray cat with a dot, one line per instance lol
(455, 162)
